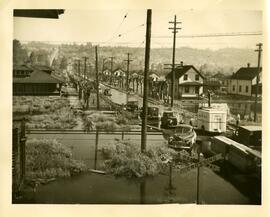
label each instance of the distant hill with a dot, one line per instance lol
(226, 60)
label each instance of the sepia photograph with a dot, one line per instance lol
(141, 106)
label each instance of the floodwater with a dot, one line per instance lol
(91, 188)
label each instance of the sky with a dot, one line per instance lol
(103, 27)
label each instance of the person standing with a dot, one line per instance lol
(238, 119)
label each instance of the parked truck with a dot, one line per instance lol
(168, 119)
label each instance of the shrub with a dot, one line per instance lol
(50, 159)
(124, 158)
(107, 126)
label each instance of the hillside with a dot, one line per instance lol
(208, 61)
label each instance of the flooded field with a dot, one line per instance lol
(90, 188)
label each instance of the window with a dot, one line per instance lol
(246, 89)
(197, 77)
(233, 88)
(240, 88)
(186, 89)
(197, 90)
(185, 77)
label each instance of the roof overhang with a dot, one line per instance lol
(38, 13)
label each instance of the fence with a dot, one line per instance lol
(18, 155)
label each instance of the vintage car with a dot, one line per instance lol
(168, 119)
(107, 92)
(181, 137)
(132, 106)
(152, 116)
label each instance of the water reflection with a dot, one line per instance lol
(170, 190)
(96, 149)
(91, 188)
(142, 191)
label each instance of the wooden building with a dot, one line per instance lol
(35, 81)
(243, 82)
(188, 81)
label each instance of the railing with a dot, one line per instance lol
(70, 131)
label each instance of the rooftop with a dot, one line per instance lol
(252, 128)
(191, 83)
(22, 68)
(246, 73)
(181, 70)
(38, 76)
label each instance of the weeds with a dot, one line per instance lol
(123, 158)
(45, 112)
(47, 159)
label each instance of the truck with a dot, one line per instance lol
(168, 119)
(152, 116)
(132, 106)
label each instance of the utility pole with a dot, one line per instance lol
(112, 57)
(259, 50)
(97, 78)
(198, 174)
(128, 62)
(127, 74)
(79, 67)
(84, 72)
(79, 70)
(169, 67)
(145, 80)
(174, 28)
(103, 64)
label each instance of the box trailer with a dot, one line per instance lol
(212, 119)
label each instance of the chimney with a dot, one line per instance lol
(181, 63)
(248, 65)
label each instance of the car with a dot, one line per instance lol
(182, 137)
(107, 92)
(168, 119)
(152, 116)
(132, 106)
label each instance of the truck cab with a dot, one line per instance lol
(168, 119)
(132, 106)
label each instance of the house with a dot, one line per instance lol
(154, 76)
(211, 85)
(243, 82)
(223, 80)
(119, 73)
(119, 76)
(188, 81)
(35, 81)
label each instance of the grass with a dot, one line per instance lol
(46, 159)
(45, 112)
(108, 123)
(34, 105)
(124, 158)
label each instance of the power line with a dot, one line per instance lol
(131, 30)
(212, 35)
(118, 27)
(232, 34)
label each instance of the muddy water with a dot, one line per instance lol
(90, 188)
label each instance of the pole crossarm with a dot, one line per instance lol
(127, 72)
(207, 162)
(174, 28)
